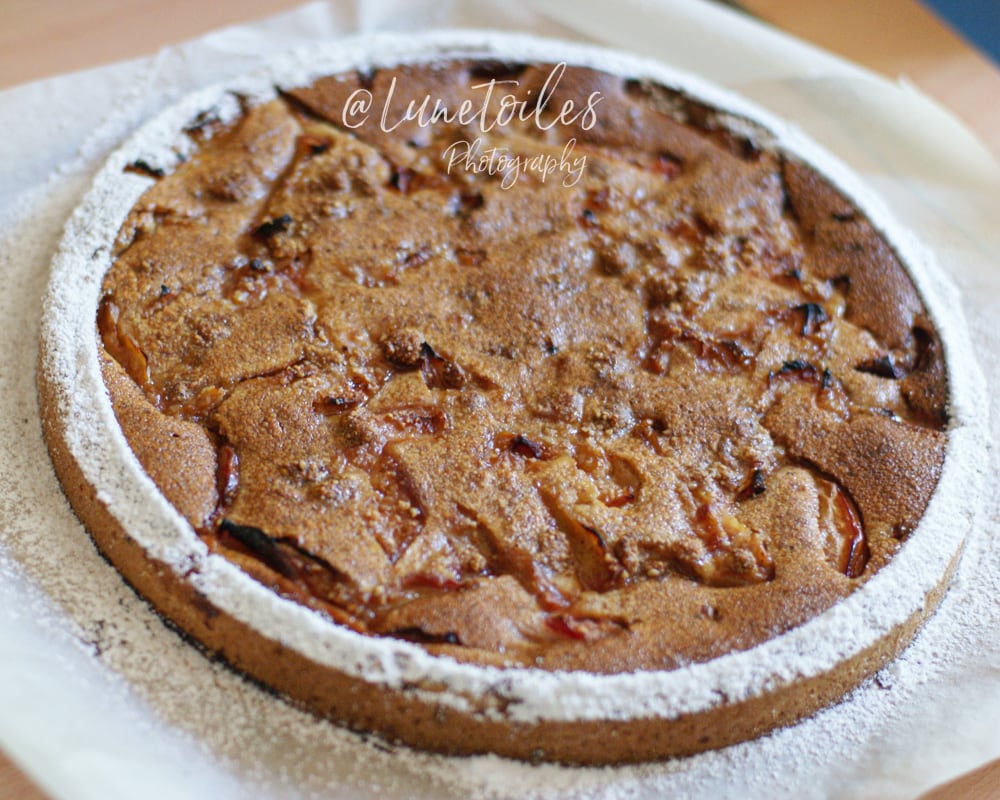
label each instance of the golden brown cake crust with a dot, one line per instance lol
(652, 415)
(254, 258)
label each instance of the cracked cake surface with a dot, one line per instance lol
(648, 412)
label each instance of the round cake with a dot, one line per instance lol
(503, 395)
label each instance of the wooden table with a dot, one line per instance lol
(899, 38)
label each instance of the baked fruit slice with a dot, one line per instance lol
(501, 402)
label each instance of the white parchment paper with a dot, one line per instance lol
(98, 698)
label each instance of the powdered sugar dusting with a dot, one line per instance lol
(852, 625)
(206, 700)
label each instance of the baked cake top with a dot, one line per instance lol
(604, 388)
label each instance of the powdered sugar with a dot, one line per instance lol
(528, 695)
(156, 654)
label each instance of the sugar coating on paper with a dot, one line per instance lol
(888, 599)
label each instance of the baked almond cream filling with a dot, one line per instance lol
(608, 390)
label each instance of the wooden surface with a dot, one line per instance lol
(899, 38)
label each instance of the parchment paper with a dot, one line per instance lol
(98, 698)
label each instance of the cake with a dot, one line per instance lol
(432, 383)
